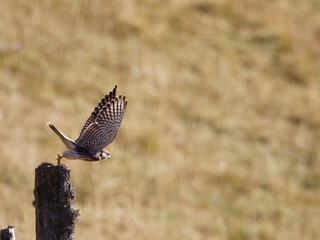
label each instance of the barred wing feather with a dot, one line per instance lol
(102, 131)
(98, 108)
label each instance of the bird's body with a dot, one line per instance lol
(99, 130)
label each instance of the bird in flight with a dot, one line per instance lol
(98, 131)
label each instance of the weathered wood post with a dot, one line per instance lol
(7, 234)
(54, 196)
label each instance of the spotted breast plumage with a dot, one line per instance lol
(98, 131)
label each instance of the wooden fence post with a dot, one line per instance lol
(7, 234)
(54, 195)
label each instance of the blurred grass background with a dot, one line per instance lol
(221, 135)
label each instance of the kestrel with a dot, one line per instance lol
(98, 131)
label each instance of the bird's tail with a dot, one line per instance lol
(67, 141)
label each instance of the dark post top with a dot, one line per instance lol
(7, 234)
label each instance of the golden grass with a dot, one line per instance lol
(221, 135)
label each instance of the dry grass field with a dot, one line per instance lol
(221, 138)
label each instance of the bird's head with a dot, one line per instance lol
(104, 155)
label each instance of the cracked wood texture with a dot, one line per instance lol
(54, 195)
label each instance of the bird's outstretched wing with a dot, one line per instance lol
(91, 119)
(102, 126)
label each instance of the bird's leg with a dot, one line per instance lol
(59, 159)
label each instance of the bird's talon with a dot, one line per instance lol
(59, 159)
